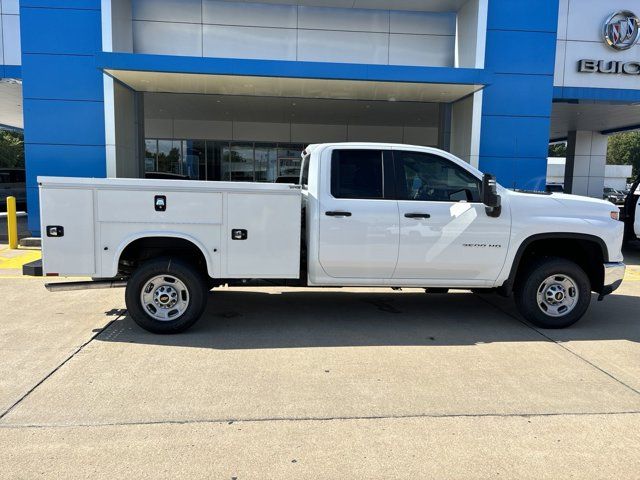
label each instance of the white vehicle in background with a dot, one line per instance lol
(364, 214)
(630, 210)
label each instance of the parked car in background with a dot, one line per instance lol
(13, 184)
(614, 196)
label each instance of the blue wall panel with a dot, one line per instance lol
(520, 52)
(64, 122)
(60, 30)
(504, 100)
(59, 160)
(77, 4)
(516, 109)
(515, 136)
(517, 15)
(84, 84)
(598, 94)
(72, 160)
(63, 93)
(287, 68)
(530, 172)
(11, 71)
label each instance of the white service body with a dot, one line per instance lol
(101, 217)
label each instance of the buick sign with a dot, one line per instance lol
(621, 30)
(604, 66)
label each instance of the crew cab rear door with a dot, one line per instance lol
(358, 214)
(445, 232)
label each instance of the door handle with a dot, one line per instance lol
(338, 214)
(417, 215)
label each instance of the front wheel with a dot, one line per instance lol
(165, 295)
(554, 293)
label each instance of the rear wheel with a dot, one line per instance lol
(166, 295)
(553, 293)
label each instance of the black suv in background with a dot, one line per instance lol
(13, 184)
(614, 196)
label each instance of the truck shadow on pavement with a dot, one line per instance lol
(255, 319)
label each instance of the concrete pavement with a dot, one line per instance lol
(291, 383)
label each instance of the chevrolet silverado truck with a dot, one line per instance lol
(362, 214)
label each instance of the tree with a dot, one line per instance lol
(557, 150)
(624, 149)
(11, 149)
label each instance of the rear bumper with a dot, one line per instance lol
(613, 275)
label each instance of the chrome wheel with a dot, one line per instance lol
(557, 295)
(164, 297)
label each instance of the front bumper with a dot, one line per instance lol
(613, 275)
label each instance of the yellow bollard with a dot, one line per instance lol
(12, 223)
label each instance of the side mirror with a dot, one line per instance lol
(490, 196)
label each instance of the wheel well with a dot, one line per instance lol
(588, 254)
(147, 248)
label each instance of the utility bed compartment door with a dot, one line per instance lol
(71, 252)
(139, 207)
(263, 235)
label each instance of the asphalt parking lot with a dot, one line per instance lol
(294, 383)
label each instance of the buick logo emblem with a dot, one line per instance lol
(621, 30)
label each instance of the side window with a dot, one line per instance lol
(426, 177)
(356, 174)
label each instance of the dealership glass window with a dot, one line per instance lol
(356, 174)
(214, 159)
(426, 177)
(237, 162)
(223, 160)
(289, 160)
(266, 160)
(169, 156)
(151, 155)
(194, 160)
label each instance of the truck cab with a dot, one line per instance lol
(399, 216)
(362, 214)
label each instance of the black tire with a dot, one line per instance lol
(191, 278)
(526, 292)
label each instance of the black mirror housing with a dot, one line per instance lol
(490, 196)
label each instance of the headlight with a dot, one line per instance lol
(615, 215)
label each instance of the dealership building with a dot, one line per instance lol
(234, 90)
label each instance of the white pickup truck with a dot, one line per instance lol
(363, 214)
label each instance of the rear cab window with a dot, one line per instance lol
(357, 174)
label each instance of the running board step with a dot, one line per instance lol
(91, 284)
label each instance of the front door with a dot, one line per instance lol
(359, 231)
(445, 232)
